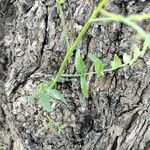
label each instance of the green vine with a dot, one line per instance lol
(77, 41)
(59, 3)
(46, 91)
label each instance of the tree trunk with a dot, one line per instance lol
(116, 116)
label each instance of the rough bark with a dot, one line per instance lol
(116, 116)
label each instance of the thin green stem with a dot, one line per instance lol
(128, 21)
(77, 75)
(89, 73)
(61, 14)
(77, 41)
(105, 19)
(139, 17)
(134, 26)
(125, 20)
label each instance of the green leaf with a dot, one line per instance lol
(61, 128)
(41, 88)
(99, 69)
(56, 94)
(79, 64)
(61, 2)
(136, 54)
(44, 101)
(31, 98)
(84, 86)
(99, 66)
(126, 58)
(116, 63)
(46, 82)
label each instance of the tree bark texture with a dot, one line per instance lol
(116, 116)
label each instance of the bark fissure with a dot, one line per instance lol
(115, 116)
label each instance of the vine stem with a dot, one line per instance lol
(128, 21)
(61, 14)
(120, 18)
(86, 74)
(77, 41)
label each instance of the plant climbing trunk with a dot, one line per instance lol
(116, 116)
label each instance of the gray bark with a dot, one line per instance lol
(116, 116)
